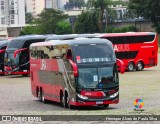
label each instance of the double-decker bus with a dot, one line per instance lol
(17, 54)
(138, 50)
(3, 45)
(77, 72)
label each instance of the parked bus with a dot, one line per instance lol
(3, 45)
(138, 50)
(17, 54)
(77, 72)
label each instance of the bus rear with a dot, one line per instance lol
(138, 50)
(79, 72)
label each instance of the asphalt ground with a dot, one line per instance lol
(16, 97)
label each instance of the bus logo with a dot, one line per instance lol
(43, 66)
(138, 104)
(121, 47)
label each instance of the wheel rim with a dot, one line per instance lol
(39, 95)
(42, 97)
(63, 101)
(131, 67)
(140, 66)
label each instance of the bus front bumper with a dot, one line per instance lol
(94, 103)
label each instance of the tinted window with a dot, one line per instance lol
(15, 44)
(118, 40)
(131, 39)
(29, 42)
(90, 52)
(126, 55)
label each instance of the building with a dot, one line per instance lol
(34, 6)
(12, 13)
(56, 4)
(120, 8)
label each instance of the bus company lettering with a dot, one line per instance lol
(89, 60)
(121, 47)
(43, 65)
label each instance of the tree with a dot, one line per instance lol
(28, 17)
(87, 22)
(48, 20)
(101, 5)
(30, 30)
(148, 9)
(63, 27)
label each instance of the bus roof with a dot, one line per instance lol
(77, 41)
(1, 39)
(29, 37)
(126, 34)
(62, 37)
(4, 43)
(70, 36)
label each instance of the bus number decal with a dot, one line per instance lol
(121, 48)
(43, 65)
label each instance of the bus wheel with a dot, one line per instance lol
(64, 101)
(130, 66)
(43, 99)
(139, 66)
(40, 95)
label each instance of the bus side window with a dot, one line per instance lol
(69, 54)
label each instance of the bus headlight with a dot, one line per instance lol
(114, 95)
(81, 96)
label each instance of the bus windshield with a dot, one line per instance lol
(97, 78)
(10, 59)
(93, 53)
(15, 44)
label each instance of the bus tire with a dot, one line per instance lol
(139, 66)
(39, 95)
(64, 100)
(43, 99)
(131, 66)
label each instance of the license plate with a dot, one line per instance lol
(24, 70)
(99, 102)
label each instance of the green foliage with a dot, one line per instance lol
(87, 22)
(121, 30)
(101, 6)
(148, 9)
(63, 27)
(119, 2)
(29, 30)
(48, 20)
(28, 17)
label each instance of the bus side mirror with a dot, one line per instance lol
(2, 51)
(18, 51)
(121, 65)
(75, 68)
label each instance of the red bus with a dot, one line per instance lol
(138, 50)
(3, 45)
(17, 54)
(77, 72)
